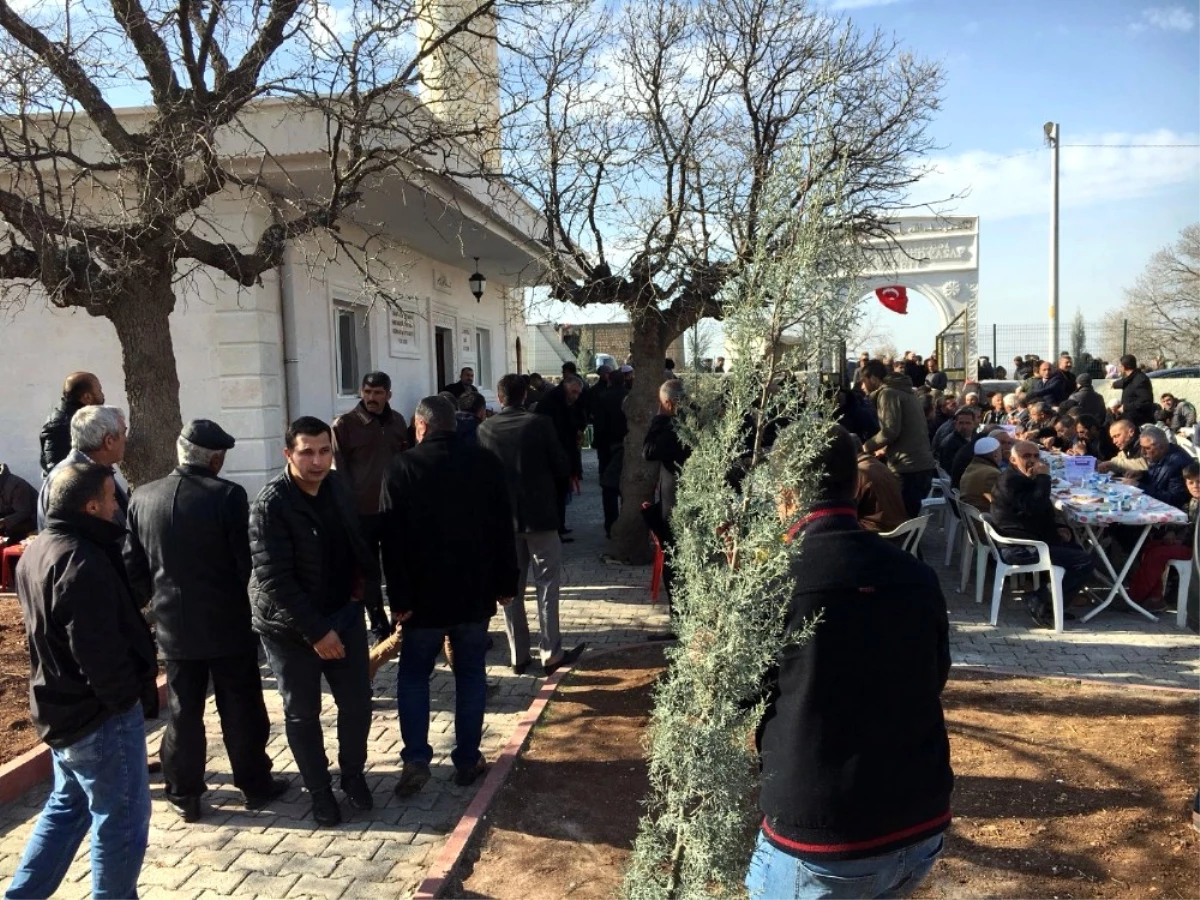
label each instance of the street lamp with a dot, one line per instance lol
(1051, 129)
(478, 282)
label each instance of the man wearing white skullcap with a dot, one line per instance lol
(981, 475)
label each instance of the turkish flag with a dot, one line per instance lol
(894, 297)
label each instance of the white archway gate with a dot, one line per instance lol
(938, 257)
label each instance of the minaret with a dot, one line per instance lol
(460, 82)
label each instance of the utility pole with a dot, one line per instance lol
(1051, 129)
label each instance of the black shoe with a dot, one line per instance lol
(413, 777)
(662, 636)
(491, 642)
(187, 807)
(154, 765)
(566, 659)
(519, 668)
(1040, 610)
(563, 531)
(277, 789)
(325, 808)
(356, 791)
(467, 777)
(566, 540)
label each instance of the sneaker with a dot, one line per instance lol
(413, 777)
(277, 789)
(467, 777)
(325, 808)
(188, 808)
(356, 791)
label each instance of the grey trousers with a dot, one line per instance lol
(542, 550)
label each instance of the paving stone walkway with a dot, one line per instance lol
(384, 853)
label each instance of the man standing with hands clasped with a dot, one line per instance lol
(311, 566)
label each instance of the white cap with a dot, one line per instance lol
(625, 370)
(986, 445)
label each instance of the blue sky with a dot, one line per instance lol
(1110, 72)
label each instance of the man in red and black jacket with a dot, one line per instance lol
(856, 777)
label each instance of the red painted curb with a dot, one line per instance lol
(452, 851)
(1088, 679)
(33, 766)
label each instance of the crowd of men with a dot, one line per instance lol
(990, 448)
(298, 572)
(363, 531)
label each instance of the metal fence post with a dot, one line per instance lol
(995, 347)
(1124, 336)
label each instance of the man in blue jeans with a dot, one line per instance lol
(856, 775)
(91, 685)
(449, 558)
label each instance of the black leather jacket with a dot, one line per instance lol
(289, 585)
(90, 651)
(56, 434)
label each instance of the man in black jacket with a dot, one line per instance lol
(188, 554)
(1022, 508)
(1084, 401)
(79, 390)
(18, 506)
(567, 414)
(1137, 392)
(532, 459)
(856, 776)
(1050, 385)
(450, 557)
(311, 568)
(91, 687)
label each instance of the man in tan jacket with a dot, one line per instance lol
(979, 480)
(880, 503)
(903, 437)
(1128, 460)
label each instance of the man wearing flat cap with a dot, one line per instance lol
(188, 554)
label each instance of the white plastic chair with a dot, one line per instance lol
(952, 520)
(1005, 570)
(908, 534)
(973, 543)
(1183, 569)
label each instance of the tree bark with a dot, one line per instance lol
(142, 321)
(638, 477)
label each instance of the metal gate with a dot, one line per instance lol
(953, 349)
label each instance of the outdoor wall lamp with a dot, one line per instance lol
(478, 282)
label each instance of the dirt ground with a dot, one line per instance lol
(16, 731)
(1062, 790)
(563, 823)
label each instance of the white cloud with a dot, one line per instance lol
(1166, 18)
(1008, 185)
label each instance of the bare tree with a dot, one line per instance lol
(108, 211)
(1162, 309)
(646, 136)
(1078, 336)
(698, 342)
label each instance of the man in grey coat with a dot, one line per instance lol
(534, 460)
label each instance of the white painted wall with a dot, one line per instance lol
(230, 345)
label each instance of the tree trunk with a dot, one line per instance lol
(142, 321)
(638, 477)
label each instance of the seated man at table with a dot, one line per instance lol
(1128, 460)
(1091, 440)
(879, 498)
(18, 507)
(1165, 462)
(979, 480)
(1176, 414)
(1175, 542)
(1022, 508)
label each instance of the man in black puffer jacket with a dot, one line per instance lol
(856, 776)
(311, 565)
(79, 390)
(91, 686)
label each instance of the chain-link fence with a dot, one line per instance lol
(1091, 344)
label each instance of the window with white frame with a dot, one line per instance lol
(483, 357)
(352, 343)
